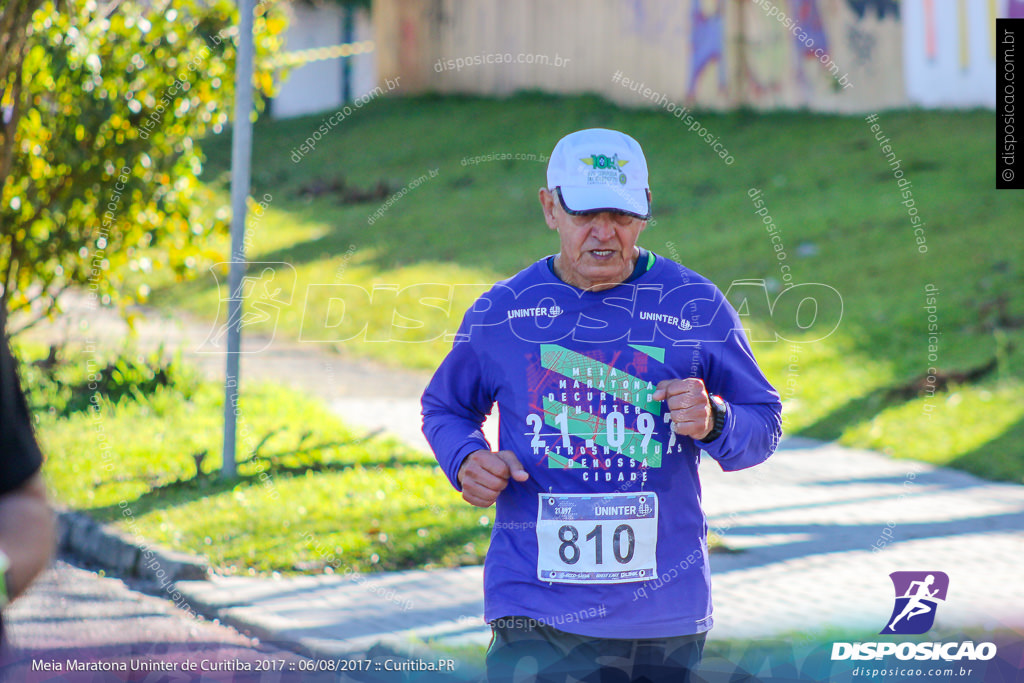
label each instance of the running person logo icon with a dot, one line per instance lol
(917, 597)
(265, 295)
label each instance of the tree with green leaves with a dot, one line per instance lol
(101, 107)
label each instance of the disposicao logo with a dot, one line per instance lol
(917, 597)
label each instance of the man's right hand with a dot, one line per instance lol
(485, 474)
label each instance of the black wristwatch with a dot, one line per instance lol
(719, 409)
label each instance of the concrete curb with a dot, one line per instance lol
(118, 552)
(85, 538)
(377, 648)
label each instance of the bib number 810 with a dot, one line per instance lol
(569, 552)
(594, 538)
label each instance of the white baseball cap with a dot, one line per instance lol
(600, 170)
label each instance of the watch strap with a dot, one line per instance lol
(719, 411)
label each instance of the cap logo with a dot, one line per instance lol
(605, 169)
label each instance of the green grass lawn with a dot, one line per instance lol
(315, 488)
(825, 183)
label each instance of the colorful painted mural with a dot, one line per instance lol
(805, 13)
(824, 55)
(706, 45)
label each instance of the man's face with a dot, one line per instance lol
(598, 250)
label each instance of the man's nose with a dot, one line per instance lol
(602, 226)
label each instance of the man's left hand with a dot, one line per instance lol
(689, 406)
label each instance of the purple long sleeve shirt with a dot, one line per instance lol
(607, 537)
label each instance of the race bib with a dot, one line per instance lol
(588, 538)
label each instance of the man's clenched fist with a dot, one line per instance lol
(485, 474)
(689, 406)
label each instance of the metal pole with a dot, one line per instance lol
(241, 152)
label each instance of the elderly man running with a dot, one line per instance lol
(613, 368)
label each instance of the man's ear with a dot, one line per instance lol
(547, 203)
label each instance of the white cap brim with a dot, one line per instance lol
(606, 198)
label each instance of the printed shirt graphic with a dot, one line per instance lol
(573, 374)
(582, 405)
(917, 598)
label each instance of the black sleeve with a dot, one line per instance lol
(19, 453)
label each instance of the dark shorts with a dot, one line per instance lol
(525, 651)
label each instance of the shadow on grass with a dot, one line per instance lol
(413, 552)
(830, 427)
(1001, 458)
(183, 491)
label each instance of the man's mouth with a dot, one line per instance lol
(602, 253)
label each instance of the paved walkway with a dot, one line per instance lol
(805, 523)
(362, 391)
(73, 615)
